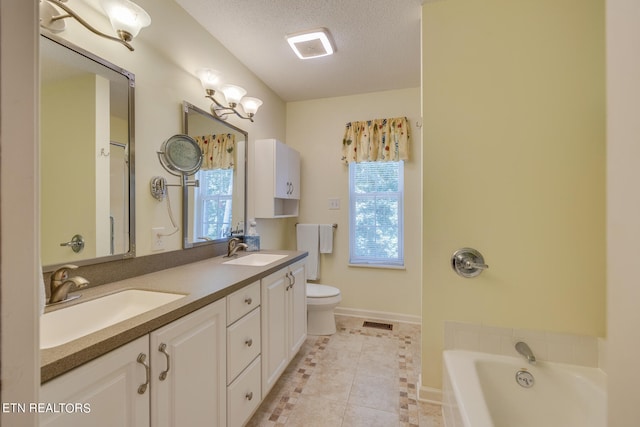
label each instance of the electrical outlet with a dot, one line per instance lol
(157, 241)
(334, 204)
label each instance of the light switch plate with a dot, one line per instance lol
(334, 204)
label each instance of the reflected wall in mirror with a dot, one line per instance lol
(214, 209)
(86, 156)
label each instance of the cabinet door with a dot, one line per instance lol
(293, 167)
(107, 385)
(297, 309)
(192, 353)
(281, 171)
(274, 326)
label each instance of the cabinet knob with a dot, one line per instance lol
(248, 300)
(249, 395)
(249, 342)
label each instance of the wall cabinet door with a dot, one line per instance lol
(284, 321)
(107, 385)
(188, 366)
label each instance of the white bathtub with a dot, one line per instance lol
(480, 390)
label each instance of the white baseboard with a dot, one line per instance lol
(378, 315)
(429, 394)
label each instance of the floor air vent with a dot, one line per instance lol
(386, 326)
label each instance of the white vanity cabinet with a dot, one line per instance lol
(284, 320)
(175, 376)
(106, 387)
(277, 179)
(188, 370)
(244, 345)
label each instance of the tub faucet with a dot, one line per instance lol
(60, 283)
(523, 349)
(234, 246)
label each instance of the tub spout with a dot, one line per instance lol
(523, 349)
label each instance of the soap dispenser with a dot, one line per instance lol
(251, 238)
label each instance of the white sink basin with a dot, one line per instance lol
(256, 260)
(69, 323)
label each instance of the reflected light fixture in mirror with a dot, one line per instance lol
(127, 19)
(212, 81)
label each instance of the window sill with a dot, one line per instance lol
(384, 266)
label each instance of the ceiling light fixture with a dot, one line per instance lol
(127, 19)
(312, 43)
(212, 81)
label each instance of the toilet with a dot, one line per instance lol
(321, 300)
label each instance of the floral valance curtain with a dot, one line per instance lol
(379, 140)
(219, 151)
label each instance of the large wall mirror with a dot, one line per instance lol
(86, 157)
(214, 210)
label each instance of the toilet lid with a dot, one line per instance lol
(321, 291)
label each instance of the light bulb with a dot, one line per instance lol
(127, 18)
(250, 105)
(233, 94)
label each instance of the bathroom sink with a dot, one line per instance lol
(256, 260)
(69, 323)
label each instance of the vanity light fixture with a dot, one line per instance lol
(312, 43)
(127, 18)
(212, 81)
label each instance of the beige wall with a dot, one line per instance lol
(315, 128)
(166, 57)
(514, 157)
(623, 211)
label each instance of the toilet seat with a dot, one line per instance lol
(316, 290)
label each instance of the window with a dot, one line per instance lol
(376, 201)
(213, 201)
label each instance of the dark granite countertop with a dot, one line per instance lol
(202, 282)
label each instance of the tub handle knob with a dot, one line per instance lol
(468, 262)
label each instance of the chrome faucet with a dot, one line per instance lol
(234, 246)
(523, 349)
(60, 284)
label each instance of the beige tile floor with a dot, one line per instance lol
(358, 377)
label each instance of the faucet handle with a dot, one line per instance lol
(62, 273)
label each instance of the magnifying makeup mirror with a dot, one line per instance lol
(180, 155)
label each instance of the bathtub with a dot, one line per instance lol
(481, 390)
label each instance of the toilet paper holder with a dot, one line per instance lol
(468, 262)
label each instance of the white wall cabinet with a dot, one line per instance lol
(276, 179)
(107, 385)
(284, 321)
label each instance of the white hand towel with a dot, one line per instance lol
(326, 238)
(308, 240)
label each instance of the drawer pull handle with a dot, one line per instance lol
(249, 342)
(141, 358)
(163, 349)
(248, 300)
(249, 395)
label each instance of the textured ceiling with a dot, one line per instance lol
(377, 43)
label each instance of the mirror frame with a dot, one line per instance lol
(131, 253)
(186, 108)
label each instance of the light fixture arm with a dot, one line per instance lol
(223, 111)
(125, 37)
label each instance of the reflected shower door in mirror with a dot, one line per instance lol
(215, 209)
(86, 157)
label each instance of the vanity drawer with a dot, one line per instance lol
(242, 301)
(243, 343)
(243, 395)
